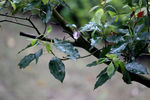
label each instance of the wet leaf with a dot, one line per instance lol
(26, 61)
(13, 5)
(48, 47)
(136, 68)
(32, 5)
(38, 54)
(57, 68)
(110, 69)
(105, 50)
(144, 36)
(29, 58)
(101, 80)
(99, 61)
(115, 39)
(91, 26)
(111, 56)
(126, 77)
(118, 48)
(67, 48)
(48, 13)
(102, 72)
(49, 29)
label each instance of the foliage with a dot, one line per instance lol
(121, 25)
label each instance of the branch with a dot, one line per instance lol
(81, 42)
(40, 38)
(34, 37)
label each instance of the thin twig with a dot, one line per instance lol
(16, 23)
(13, 16)
(29, 19)
(52, 53)
(45, 28)
(64, 59)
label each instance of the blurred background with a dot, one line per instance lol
(36, 83)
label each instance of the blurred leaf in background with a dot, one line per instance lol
(79, 13)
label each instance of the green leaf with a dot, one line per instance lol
(110, 8)
(101, 80)
(67, 48)
(126, 77)
(111, 56)
(48, 13)
(116, 62)
(57, 68)
(48, 47)
(137, 68)
(105, 50)
(139, 28)
(13, 5)
(99, 61)
(93, 8)
(28, 46)
(123, 31)
(26, 61)
(102, 72)
(144, 36)
(98, 16)
(32, 43)
(38, 54)
(110, 69)
(91, 26)
(32, 5)
(118, 48)
(122, 66)
(115, 39)
(45, 1)
(49, 29)
(29, 58)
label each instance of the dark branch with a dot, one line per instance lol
(34, 37)
(29, 35)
